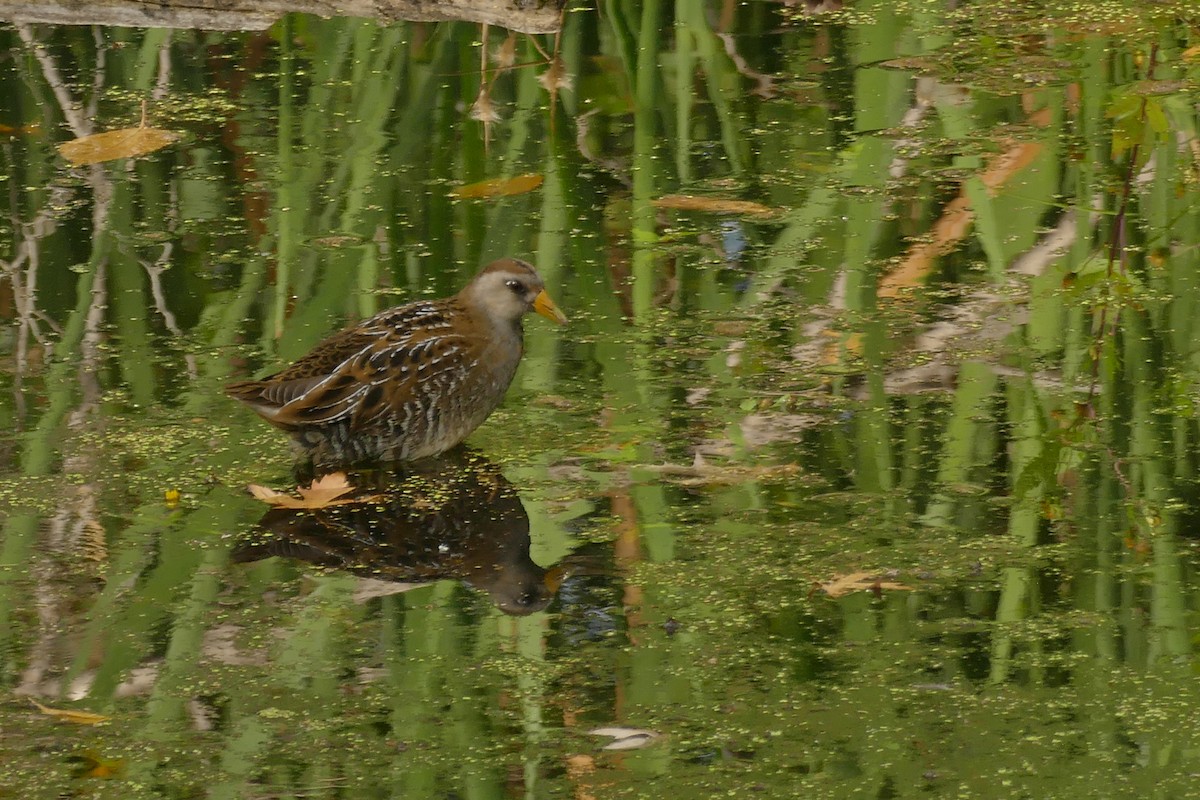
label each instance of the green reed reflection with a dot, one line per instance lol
(951, 350)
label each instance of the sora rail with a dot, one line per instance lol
(411, 381)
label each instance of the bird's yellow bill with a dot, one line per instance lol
(545, 306)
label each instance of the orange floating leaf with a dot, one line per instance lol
(29, 128)
(859, 582)
(110, 145)
(70, 715)
(324, 491)
(90, 764)
(713, 205)
(499, 187)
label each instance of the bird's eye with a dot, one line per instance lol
(515, 286)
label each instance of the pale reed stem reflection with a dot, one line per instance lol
(75, 530)
(79, 121)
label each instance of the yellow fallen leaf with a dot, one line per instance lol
(857, 582)
(715, 205)
(499, 187)
(324, 491)
(1192, 53)
(9, 130)
(110, 145)
(91, 764)
(70, 715)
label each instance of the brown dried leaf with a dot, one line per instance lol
(324, 491)
(70, 715)
(110, 145)
(499, 187)
(1158, 87)
(859, 582)
(714, 205)
(704, 473)
(926, 66)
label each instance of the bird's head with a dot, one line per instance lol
(507, 289)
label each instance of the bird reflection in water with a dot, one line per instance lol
(452, 516)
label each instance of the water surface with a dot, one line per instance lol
(867, 466)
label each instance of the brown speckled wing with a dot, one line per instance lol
(269, 395)
(385, 366)
(394, 374)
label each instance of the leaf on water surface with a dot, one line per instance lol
(370, 588)
(714, 205)
(9, 130)
(90, 764)
(703, 473)
(110, 145)
(337, 240)
(763, 428)
(324, 491)
(916, 64)
(70, 715)
(857, 582)
(499, 187)
(625, 738)
(1158, 87)
(554, 401)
